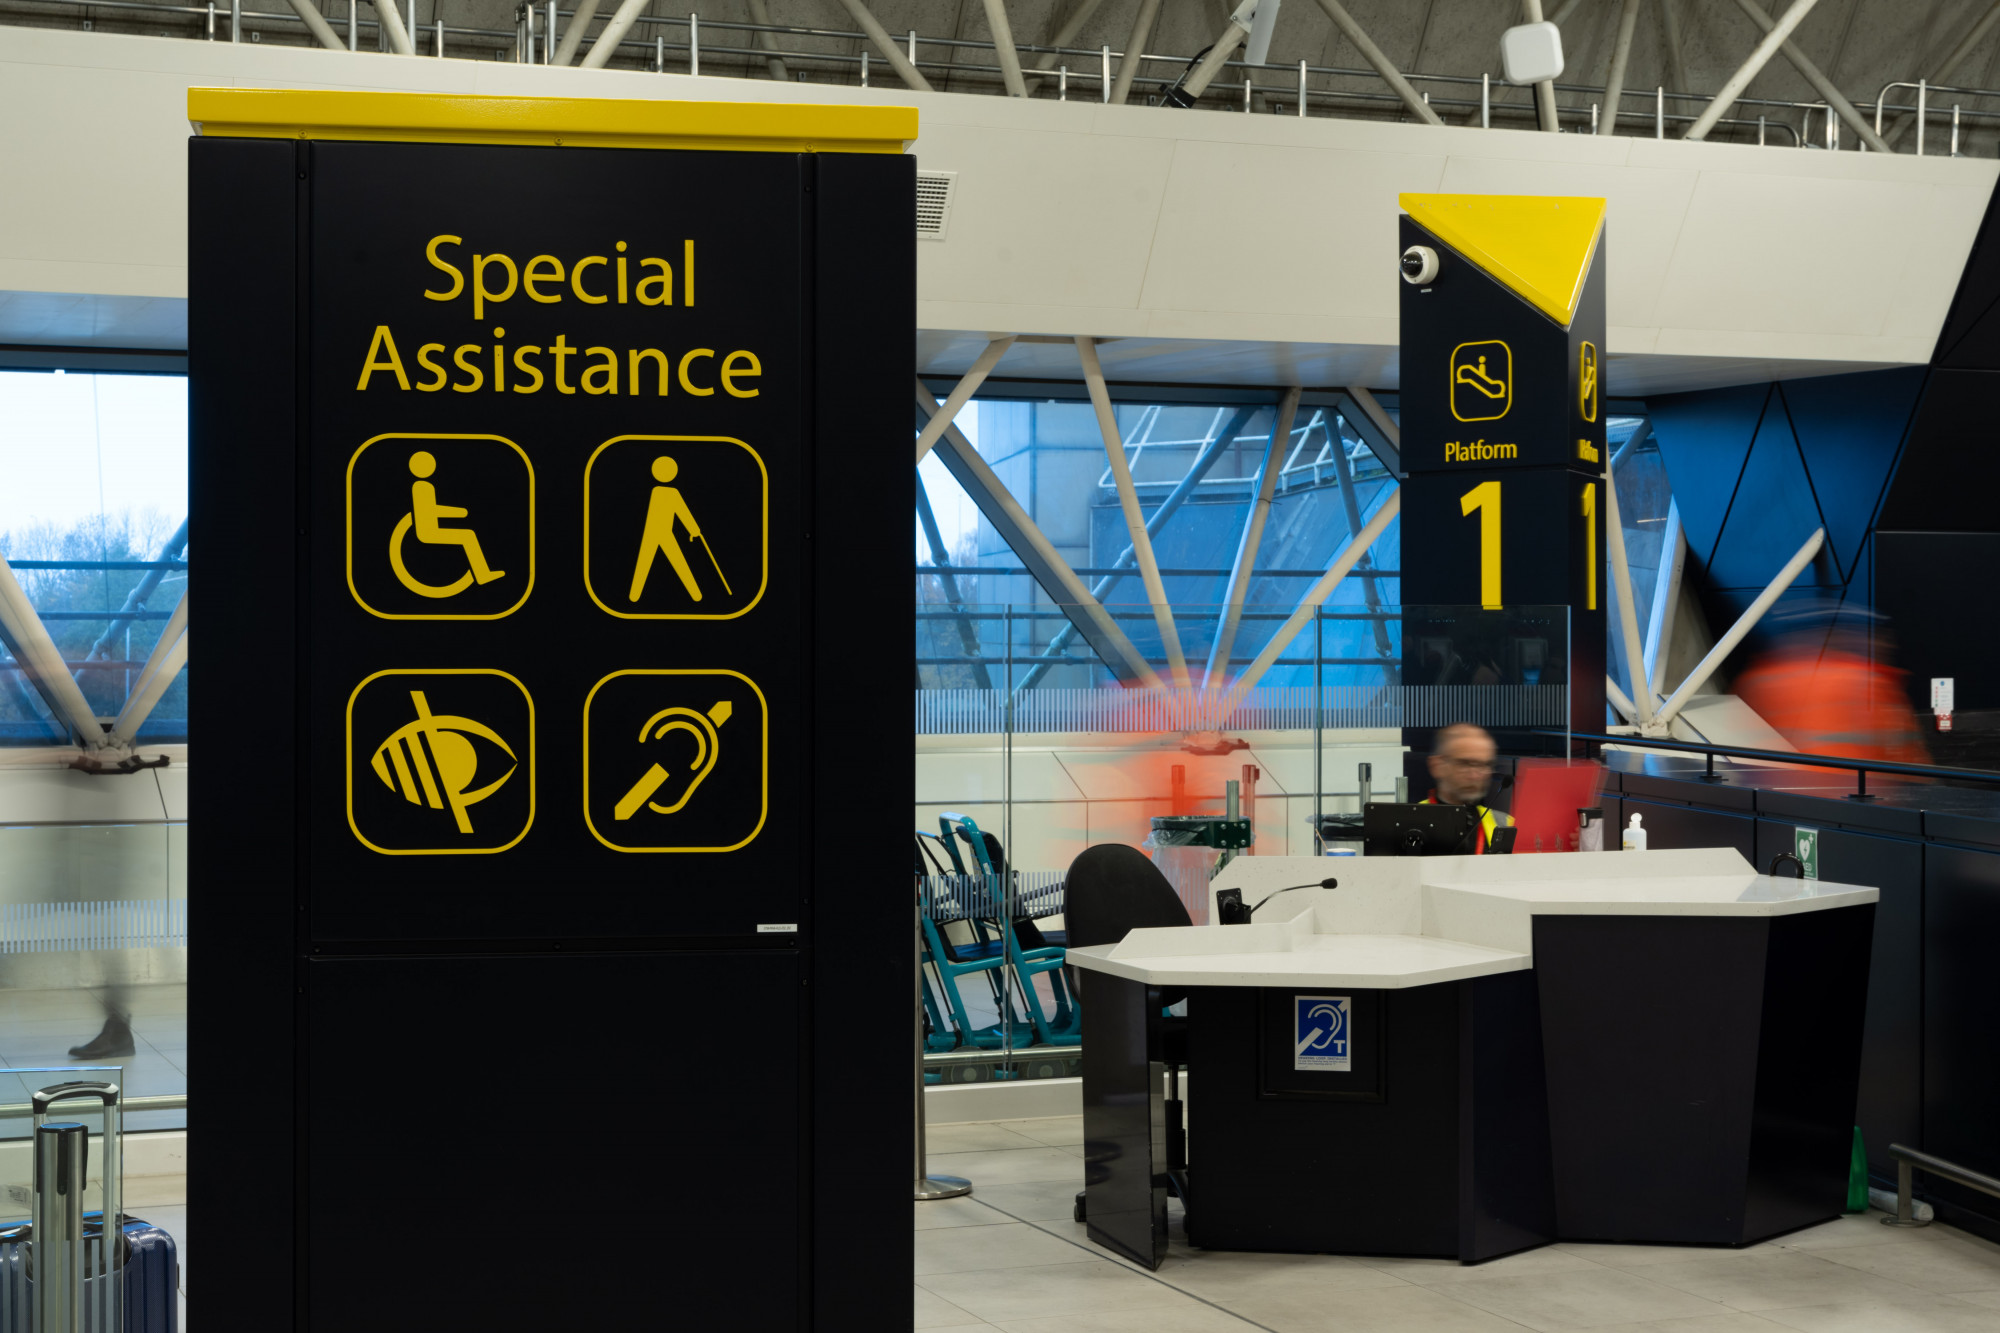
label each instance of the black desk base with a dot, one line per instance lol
(1653, 1080)
(1436, 1144)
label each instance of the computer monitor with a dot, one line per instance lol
(1389, 829)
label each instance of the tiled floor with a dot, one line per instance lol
(37, 1028)
(1009, 1258)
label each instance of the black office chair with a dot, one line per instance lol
(1110, 890)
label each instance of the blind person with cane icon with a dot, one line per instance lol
(665, 508)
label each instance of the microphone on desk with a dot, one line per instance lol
(1229, 902)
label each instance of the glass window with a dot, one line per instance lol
(93, 519)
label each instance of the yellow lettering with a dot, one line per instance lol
(730, 371)
(621, 273)
(457, 278)
(663, 280)
(521, 364)
(576, 280)
(708, 352)
(466, 366)
(687, 273)
(601, 378)
(480, 294)
(639, 354)
(499, 363)
(560, 351)
(542, 268)
(424, 360)
(383, 342)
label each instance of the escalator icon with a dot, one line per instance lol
(1482, 380)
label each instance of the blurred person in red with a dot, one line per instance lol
(1832, 690)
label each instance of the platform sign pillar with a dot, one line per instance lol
(1503, 438)
(544, 452)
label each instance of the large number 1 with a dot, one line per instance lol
(1590, 544)
(1485, 497)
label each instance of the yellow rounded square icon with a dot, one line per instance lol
(676, 760)
(676, 527)
(440, 761)
(440, 527)
(1586, 381)
(1482, 380)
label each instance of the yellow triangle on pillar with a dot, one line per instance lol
(1540, 246)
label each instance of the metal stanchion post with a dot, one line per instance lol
(927, 1186)
(60, 1151)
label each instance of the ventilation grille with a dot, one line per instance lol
(934, 191)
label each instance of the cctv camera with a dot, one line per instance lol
(1420, 265)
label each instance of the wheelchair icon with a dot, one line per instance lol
(425, 511)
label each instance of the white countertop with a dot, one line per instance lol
(1414, 921)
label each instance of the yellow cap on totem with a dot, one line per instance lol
(1539, 246)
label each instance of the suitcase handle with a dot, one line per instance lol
(44, 1098)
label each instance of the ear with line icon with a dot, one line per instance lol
(704, 729)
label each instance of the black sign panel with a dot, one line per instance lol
(557, 460)
(1489, 381)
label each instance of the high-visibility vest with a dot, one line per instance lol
(1489, 820)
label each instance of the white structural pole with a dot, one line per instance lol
(962, 392)
(606, 45)
(1621, 55)
(1003, 47)
(1744, 624)
(886, 44)
(760, 13)
(1666, 600)
(392, 23)
(316, 24)
(1628, 610)
(1218, 55)
(175, 627)
(1008, 515)
(40, 657)
(1135, 49)
(1821, 84)
(1776, 37)
(1616, 698)
(1262, 24)
(1311, 602)
(572, 37)
(1245, 565)
(1135, 519)
(141, 704)
(1379, 418)
(1372, 53)
(1545, 91)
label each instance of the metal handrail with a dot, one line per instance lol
(1860, 767)
(1909, 1161)
(171, 1101)
(658, 46)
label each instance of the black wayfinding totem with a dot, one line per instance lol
(1503, 438)
(543, 450)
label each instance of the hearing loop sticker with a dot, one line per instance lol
(675, 760)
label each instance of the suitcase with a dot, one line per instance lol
(151, 1279)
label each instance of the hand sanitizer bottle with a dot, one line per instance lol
(1635, 836)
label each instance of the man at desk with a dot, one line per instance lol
(1461, 765)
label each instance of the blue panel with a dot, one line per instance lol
(1704, 438)
(1849, 429)
(1773, 514)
